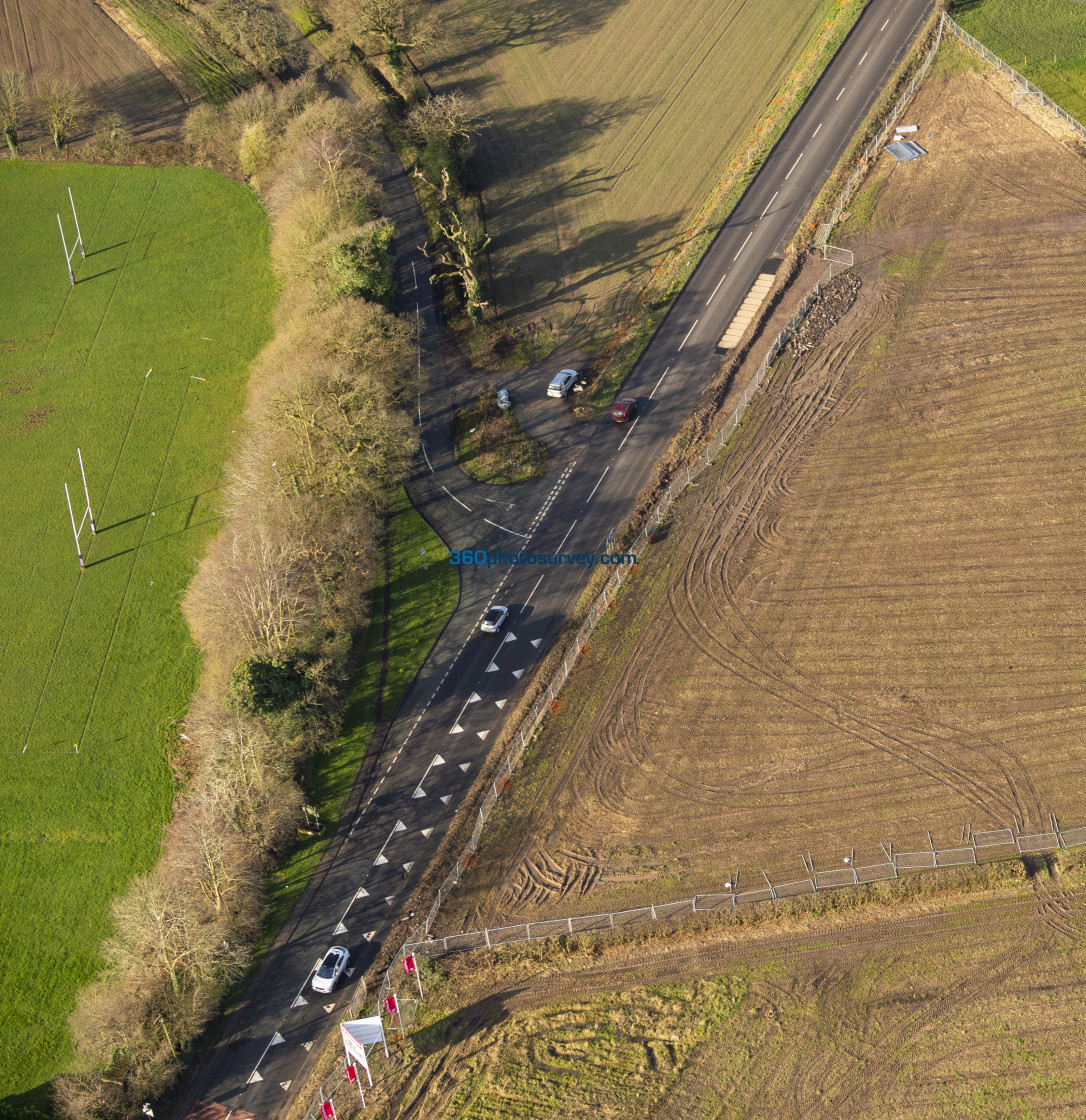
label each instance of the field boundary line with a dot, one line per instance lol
(836, 878)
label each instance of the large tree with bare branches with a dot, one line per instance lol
(64, 106)
(13, 105)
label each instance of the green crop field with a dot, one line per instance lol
(1045, 40)
(96, 665)
(609, 125)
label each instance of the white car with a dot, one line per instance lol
(562, 382)
(330, 969)
(493, 620)
(505, 402)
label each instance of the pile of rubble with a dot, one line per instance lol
(829, 308)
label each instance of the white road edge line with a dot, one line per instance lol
(602, 477)
(657, 385)
(716, 289)
(794, 165)
(689, 333)
(743, 246)
(530, 594)
(768, 204)
(454, 497)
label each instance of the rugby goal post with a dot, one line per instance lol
(87, 512)
(78, 244)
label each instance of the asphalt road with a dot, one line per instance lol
(412, 790)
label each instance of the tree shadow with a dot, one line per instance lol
(554, 130)
(520, 23)
(150, 107)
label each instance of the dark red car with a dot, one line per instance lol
(624, 410)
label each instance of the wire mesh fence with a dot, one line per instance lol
(883, 134)
(972, 847)
(1027, 88)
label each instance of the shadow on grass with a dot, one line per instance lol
(522, 23)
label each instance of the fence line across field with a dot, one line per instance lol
(833, 879)
(838, 260)
(1028, 89)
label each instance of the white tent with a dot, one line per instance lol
(360, 1036)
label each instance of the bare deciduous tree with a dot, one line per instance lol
(159, 929)
(448, 117)
(456, 258)
(13, 105)
(64, 106)
(400, 25)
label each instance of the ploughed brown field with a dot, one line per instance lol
(76, 39)
(868, 622)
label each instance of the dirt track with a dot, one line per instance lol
(867, 624)
(76, 39)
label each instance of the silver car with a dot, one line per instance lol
(330, 969)
(493, 619)
(562, 382)
(505, 402)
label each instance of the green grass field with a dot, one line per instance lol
(177, 280)
(1045, 40)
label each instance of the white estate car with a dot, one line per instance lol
(330, 969)
(562, 382)
(493, 619)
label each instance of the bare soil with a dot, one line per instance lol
(867, 623)
(76, 39)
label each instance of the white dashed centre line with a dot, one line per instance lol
(743, 246)
(689, 333)
(602, 477)
(658, 383)
(838, 97)
(632, 426)
(530, 594)
(861, 62)
(565, 538)
(768, 204)
(716, 289)
(816, 131)
(794, 165)
(883, 28)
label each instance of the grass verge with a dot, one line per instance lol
(492, 447)
(409, 613)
